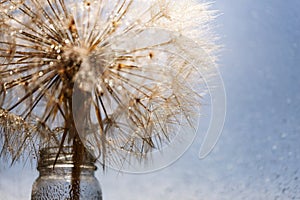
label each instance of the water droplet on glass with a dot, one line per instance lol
(283, 135)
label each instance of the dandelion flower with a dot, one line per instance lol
(114, 75)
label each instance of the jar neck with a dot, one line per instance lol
(53, 161)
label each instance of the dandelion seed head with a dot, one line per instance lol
(115, 69)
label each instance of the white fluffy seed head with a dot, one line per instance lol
(121, 71)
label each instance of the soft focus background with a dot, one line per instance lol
(258, 154)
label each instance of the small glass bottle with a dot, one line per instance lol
(55, 180)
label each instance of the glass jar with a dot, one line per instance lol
(56, 180)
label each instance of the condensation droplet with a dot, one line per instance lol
(283, 135)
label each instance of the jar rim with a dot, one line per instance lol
(54, 157)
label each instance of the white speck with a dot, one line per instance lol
(111, 83)
(119, 88)
(67, 41)
(13, 33)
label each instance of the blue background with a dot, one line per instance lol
(258, 154)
